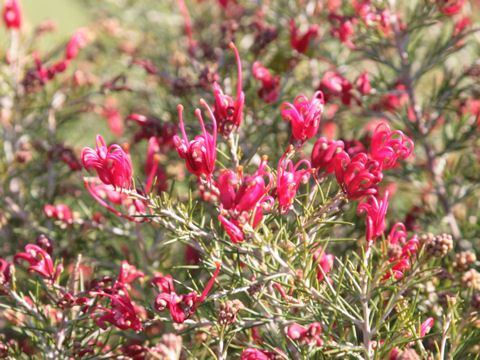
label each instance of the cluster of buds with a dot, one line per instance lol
(464, 260)
(228, 311)
(181, 307)
(309, 335)
(436, 246)
(471, 279)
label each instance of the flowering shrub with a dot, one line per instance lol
(237, 179)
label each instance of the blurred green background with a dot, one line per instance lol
(67, 14)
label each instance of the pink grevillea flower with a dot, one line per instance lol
(255, 354)
(200, 153)
(324, 154)
(363, 84)
(122, 312)
(450, 7)
(344, 29)
(112, 164)
(5, 274)
(188, 26)
(305, 115)
(39, 261)
(244, 193)
(77, 41)
(243, 199)
(111, 112)
(310, 335)
(376, 210)
(426, 326)
(12, 14)
(59, 212)
(387, 146)
(289, 179)
(357, 176)
(270, 85)
(181, 307)
(227, 111)
(153, 169)
(406, 250)
(128, 274)
(233, 229)
(151, 126)
(301, 42)
(335, 85)
(325, 262)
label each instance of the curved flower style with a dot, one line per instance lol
(99, 192)
(121, 314)
(357, 176)
(112, 164)
(153, 170)
(181, 307)
(324, 154)
(270, 85)
(301, 42)
(305, 115)
(310, 335)
(387, 146)
(324, 264)
(200, 153)
(39, 261)
(376, 210)
(228, 112)
(12, 14)
(289, 179)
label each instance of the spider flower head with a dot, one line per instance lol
(200, 153)
(112, 164)
(305, 115)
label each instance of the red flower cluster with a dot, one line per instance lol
(200, 153)
(227, 111)
(243, 197)
(40, 262)
(301, 42)
(112, 164)
(181, 307)
(304, 115)
(270, 84)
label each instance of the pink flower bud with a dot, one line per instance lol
(12, 14)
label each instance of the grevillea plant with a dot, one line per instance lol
(234, 179)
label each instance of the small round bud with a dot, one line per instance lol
(464, 260)
(471, 279)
